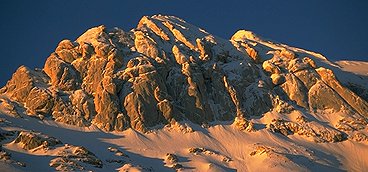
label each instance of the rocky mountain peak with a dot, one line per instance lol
(166, 70)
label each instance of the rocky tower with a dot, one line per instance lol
(166, 70)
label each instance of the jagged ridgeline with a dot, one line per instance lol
(166, 71)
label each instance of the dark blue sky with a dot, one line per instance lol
(30, 30)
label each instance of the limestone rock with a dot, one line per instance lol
(172, 158)
(359, 137)
(141, 101)
(23, 81)
(271, 68)
(74, 158)
(318, 132)
(67, 51)
(10, 107)
(145, 44)
(94, 74)
(359, 104)
(62, 74)
(281, 106)
(63, 164)
(179, 56)
(295, 90)
(68, 157)
(107, 106)
(64, 111)
(287, 53)
(179, 35)
(297, 64)
(278, 79)
(31, 140)
(204, 48)
(252, 53)
(322, 97)
(167, 109)
(94, 36)
(80, 154)
(309, 77)
(166, 71)
(355, 122)
(39, 102)
(256, 99)
(150, 24)
(83, 104)
(243, 125)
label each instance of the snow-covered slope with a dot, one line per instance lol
(354, 74)
(220, 147)
(357, 67)
(168, 96)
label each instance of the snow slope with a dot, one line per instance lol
(357, 67)
(354, 74)
(248, 151)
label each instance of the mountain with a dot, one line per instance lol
(168, 95)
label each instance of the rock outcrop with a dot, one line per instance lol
(30, 140)
(72, 158)
(318, 132)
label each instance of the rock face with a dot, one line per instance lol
(166, 70)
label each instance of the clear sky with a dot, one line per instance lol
(30, 30)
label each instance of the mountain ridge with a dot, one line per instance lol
(68, 70)
(167, 73)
